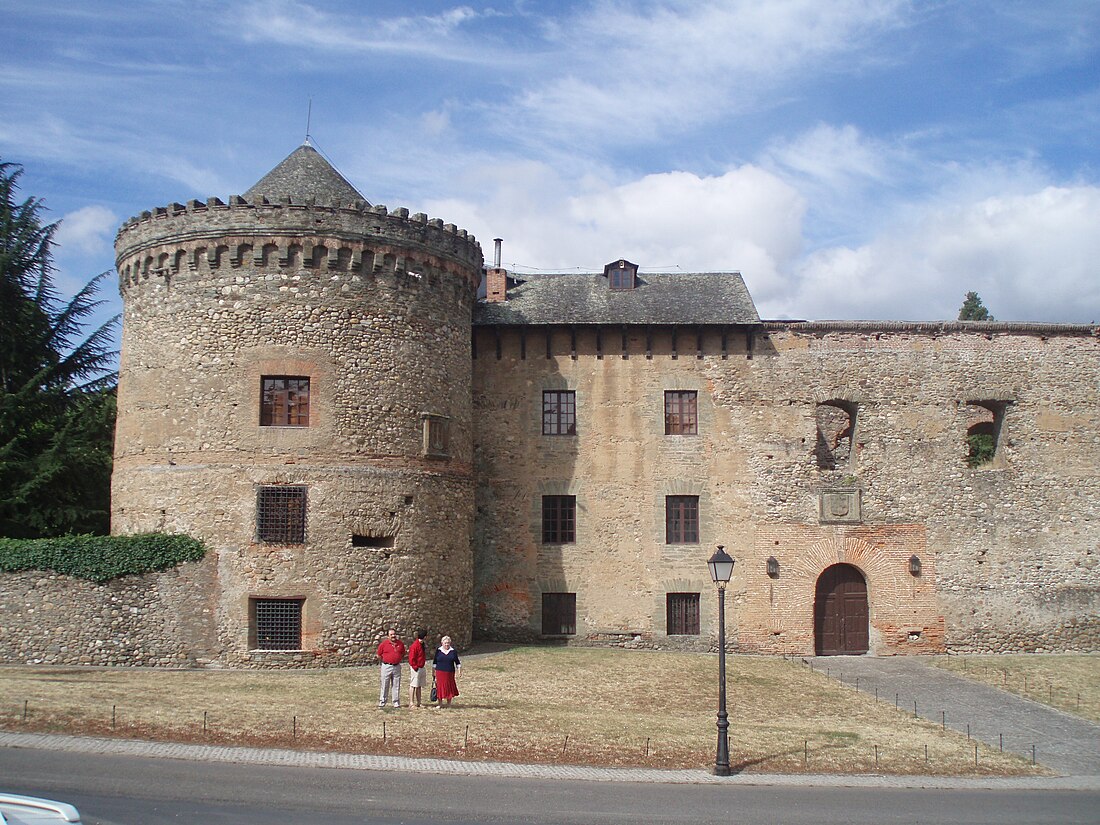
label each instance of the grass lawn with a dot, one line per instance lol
(1067, 682)
(522, 704)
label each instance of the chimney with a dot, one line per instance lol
(496, 279)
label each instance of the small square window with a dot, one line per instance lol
(681, 519)
(559, 412)
(559, 519)
(284, 401)
(559, 614)
(682, 614)
(681, 412)
(281, 515)
(276, 624)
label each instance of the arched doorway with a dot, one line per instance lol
(840, 612)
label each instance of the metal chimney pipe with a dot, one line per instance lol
(496, 253)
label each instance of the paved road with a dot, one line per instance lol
(1062, 742)
(127, 790)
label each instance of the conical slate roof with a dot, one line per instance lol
(304, 174)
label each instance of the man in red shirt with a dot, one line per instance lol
(392, 653)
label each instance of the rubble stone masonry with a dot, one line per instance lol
(1007, 550)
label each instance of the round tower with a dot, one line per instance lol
(294, 389)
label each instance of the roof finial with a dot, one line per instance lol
(309, 117)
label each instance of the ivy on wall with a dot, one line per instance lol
(99, 558)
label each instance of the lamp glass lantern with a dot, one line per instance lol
(914, 565)
(721, 566)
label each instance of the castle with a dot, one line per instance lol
(312, 385)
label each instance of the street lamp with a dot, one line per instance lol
(721, 568)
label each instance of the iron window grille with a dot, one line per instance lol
(559, 614)
(277, 624)
(681, 412)
(281, 515)
(681, 519)
(284, 401)
(682, 614)
(559, 412)
(559, 519)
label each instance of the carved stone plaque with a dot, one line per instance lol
(841, 506)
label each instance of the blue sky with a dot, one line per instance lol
(870, 159)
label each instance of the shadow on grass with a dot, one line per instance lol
(793, 753)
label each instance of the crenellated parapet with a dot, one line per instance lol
(340, 237)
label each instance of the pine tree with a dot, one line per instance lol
(973, 310)
(56, 386)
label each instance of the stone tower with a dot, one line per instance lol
(295, 389)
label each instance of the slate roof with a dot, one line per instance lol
(658, 298)
(305, 174)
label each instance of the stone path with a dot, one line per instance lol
(1062, 742)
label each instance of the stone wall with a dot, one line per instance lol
(374, 308)
(164, 619)
(1007, 550)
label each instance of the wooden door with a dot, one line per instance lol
(840, 612)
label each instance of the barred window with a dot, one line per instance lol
(681, 519)
(559, 519)
(559, 412)
(276, 624)
(681, 412)
(559, 614)
(281, 515)
(682, 614)
(284, 401)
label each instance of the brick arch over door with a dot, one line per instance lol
(841, 615)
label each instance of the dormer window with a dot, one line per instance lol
(621, 274)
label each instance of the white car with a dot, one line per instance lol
(30, 810)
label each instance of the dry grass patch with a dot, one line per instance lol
(1069, 682)
(528, 704)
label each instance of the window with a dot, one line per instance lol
(559, 412)
(559, 519)
(681, 416)
(281, 515)
(377, 542)
(621, 274)
(836, 421)
(284, 401)
(681, 519)
(682, 614)
(559, 614)
(983, 431)
(276, 624)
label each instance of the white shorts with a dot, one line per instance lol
(418, 678)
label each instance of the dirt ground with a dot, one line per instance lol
(519, 704)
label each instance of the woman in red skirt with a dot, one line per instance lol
(447, 667)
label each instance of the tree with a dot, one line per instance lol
(57, 404)
(973, 310)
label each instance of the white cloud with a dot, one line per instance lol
(305, 26)
(1032, 257)
(627, 71)
(89, 230)
(746, 219)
